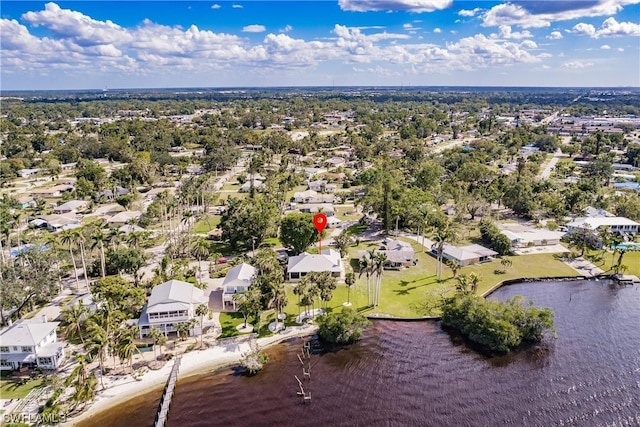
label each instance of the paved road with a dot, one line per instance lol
(546, 172)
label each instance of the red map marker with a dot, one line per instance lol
(320, 222)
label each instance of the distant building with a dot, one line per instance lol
(311, 196)
(615, 224)
(123, 218)
(72, 206)
(399, 254)
(56, 222)
(52, 192)
(466, 255)
(31, 343)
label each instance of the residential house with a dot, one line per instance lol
(170, 304)
(325, 208)
(52, 192)
(614, 224)
(300, 265)
(72, 206)
(333, 222)
(466, 255)
(399, 254)
(522, 236)
(56, 222)
(123, 218)
(26, 201)
(237, 280)
(317, 185)
(31, 343)
(28, 172)
(112, 193)
(246, 187)
(335, 161)
(311, 196)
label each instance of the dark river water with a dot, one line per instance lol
(414, 374)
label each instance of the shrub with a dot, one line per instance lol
(498, 326)
(342, 328)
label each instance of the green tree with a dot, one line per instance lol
(201, 311)
(73, 317)
(349, 280)
(249, 220)
(342, 242)
(297, 231)
(342, 328)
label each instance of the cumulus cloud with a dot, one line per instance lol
(469, 13)
(237, 6)
(437, 30)
(286, 29)
(542, 13)
(577, 64)
(255, 28)
(392, 5)
(154, 48)
(609, 28)
(605, 47)
(215, 6)
(555, 35)
(506, 33)
(584, 29)
(76, 26)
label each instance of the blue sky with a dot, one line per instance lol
(127, 44)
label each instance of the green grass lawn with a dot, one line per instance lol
(345, 213)
(206, 224)
(10, 389)
(231, 185)
(607, 261)
(404, 292)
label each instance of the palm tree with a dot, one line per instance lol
(349, 280)
(506, 263)
(98, 342)
(99, 237)
(278, 300)
(201, 310)
(126, 344)
(68, 237)
(378, 268)
(453, 266)
(183, 328)
(116, 237)
(325, 284)
(134, 238)
(215, 256)
(300, 289)
(365, 268)
(81, 240)
(200, 249)
(86, 391)
(74, 316)
(441, 237)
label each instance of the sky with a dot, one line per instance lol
(157, 44)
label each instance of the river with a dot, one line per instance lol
(414, 374)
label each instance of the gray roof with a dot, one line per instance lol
(305, 263)
(240, 275)
(27, 332)
(467, 252)
(174, 295)
(71, 204)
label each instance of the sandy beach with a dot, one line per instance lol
(120, 389)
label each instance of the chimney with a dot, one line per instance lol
(44, 318)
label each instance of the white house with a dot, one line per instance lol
(171, 303)
(399, 254)
(325, 208)
(614, 224)
(466, 255)
(72, 206)
(311, 196)
(56, 222)
(236, 281)
(300, 265)
(123, 218)
(31, 343)
(532, 237)
(317, 185)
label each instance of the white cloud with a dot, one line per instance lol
(255, 28)
(407, 26)
(555, 35)
(584, 29)
(215, 6)
(506, 33)
(620, 49)
(286, 29)
(609, 28)
(542, 13)
(391, 5)
(605, 47)
(437, 30)
(577, 64)
(76, 26)
(469, 13)
(237, 6)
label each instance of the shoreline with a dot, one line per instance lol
(193, 363)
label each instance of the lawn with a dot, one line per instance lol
(607, 260)
(10, 389)
(404, 292)
(206, 224)
(347, 213)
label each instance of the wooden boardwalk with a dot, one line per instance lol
(165, 402)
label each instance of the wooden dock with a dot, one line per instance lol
(165, 402)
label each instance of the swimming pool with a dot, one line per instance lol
(628, 246)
